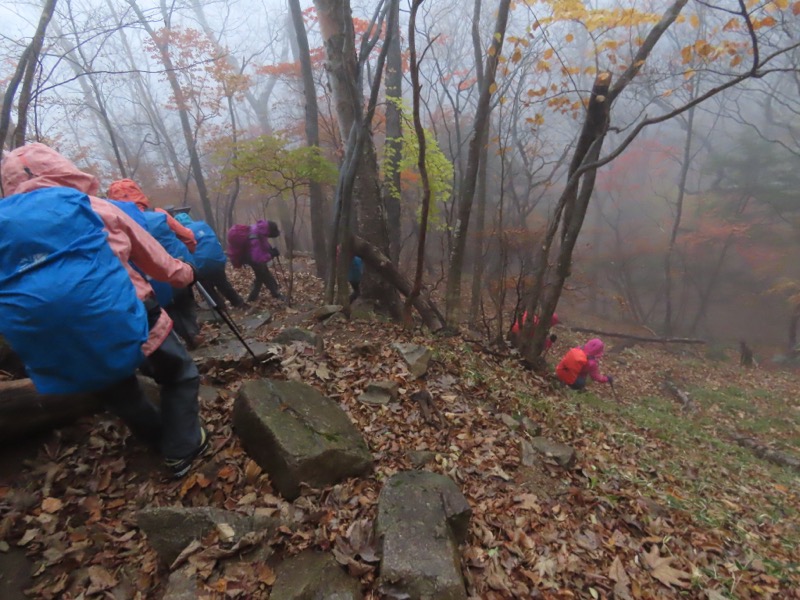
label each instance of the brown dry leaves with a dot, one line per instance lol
(613, 527)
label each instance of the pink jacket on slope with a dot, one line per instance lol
(36, 166)
(594, 351)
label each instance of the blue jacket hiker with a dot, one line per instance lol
(77, 312)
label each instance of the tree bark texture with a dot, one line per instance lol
(393, 148)
(336, 26)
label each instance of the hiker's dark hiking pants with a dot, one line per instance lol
(263, 276)
(174, 428)
(215, 281)
(183, 312)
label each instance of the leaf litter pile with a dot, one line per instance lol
(662, 503)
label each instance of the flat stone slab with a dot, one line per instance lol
(564, 455)
(253, 323)
(297, 334)
(169, 529)
(231, 352)
(422, 517)
(314, 576)
(417, 357)
(327, 311)
(380, 392)
(297, 435)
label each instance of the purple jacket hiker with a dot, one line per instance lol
(260, 249)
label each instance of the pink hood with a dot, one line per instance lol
(594, 348)
(36, 166)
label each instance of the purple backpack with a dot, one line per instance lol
(238, 242)
(260, 248)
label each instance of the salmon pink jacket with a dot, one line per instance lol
(35, 166)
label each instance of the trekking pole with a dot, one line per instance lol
(614, 391)
(225, 317)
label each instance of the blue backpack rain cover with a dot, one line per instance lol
(67, 305)
(209, 253)
(158, 227)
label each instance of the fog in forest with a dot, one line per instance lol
(677, 216)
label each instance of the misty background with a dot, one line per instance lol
(692, 230)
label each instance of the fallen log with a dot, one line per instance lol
(761, 450)
(639, 338)
(23, 410)
(383, 265)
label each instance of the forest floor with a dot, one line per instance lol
(662, 502)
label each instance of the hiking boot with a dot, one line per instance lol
(178, 467)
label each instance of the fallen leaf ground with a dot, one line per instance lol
(662, 504)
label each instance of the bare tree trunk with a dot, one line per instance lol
(480, 192)
(188, 134)
(336, 25)
(165, 145)
(318, 213)
(467, 191)
(421, 165)
(687, 152)
(571, 210)
(8, 98)
(32, 63)
(393, 148)
(571, 207)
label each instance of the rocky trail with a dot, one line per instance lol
(357, 459)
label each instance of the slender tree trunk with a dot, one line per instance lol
(316, 197)
(480, 192)
(31, 65)
(162, 44)
(393, 148)
(687, 153)
(8, 98)
(421, 165)
(468, 182)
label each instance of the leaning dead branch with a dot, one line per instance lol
(639, 338)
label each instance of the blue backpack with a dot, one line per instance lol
(163, 291)
(209, 255)
(67, 304)
(356, 270)
(158, 227)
